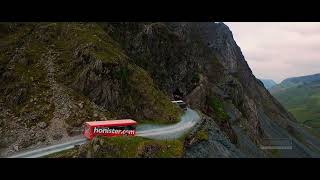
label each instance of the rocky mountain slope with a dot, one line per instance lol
(268, 83)
(55, 76)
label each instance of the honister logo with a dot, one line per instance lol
(112, 131)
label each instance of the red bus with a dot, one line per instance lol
(109, 128)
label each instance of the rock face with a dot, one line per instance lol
(63, 74)
(265, 117)
(220, 71)
(217, 145)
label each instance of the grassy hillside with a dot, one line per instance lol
(303, 102)
(125, 147)
(86, 60)
(55, 76)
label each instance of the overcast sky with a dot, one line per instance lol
(278, 50)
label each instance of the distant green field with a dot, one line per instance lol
(303, 102)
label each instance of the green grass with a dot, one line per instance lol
(303, 102)
(196, 78)
(275, 153)
(127, 147)
(143, 87)
(69, 153)
(202, 135)
(217, 108)
(138, 91)
(28, 73)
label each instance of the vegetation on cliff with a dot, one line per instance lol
(125, 147)
(73, 72)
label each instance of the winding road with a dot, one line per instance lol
(188, 120)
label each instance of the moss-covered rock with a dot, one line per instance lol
(216, 108)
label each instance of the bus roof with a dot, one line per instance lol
(111, 122)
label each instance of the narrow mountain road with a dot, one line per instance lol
(188, 120)
(40, 152)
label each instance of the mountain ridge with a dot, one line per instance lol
(268, 83)
(295, 81)
(305, 78)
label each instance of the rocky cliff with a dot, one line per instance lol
(54, 76)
